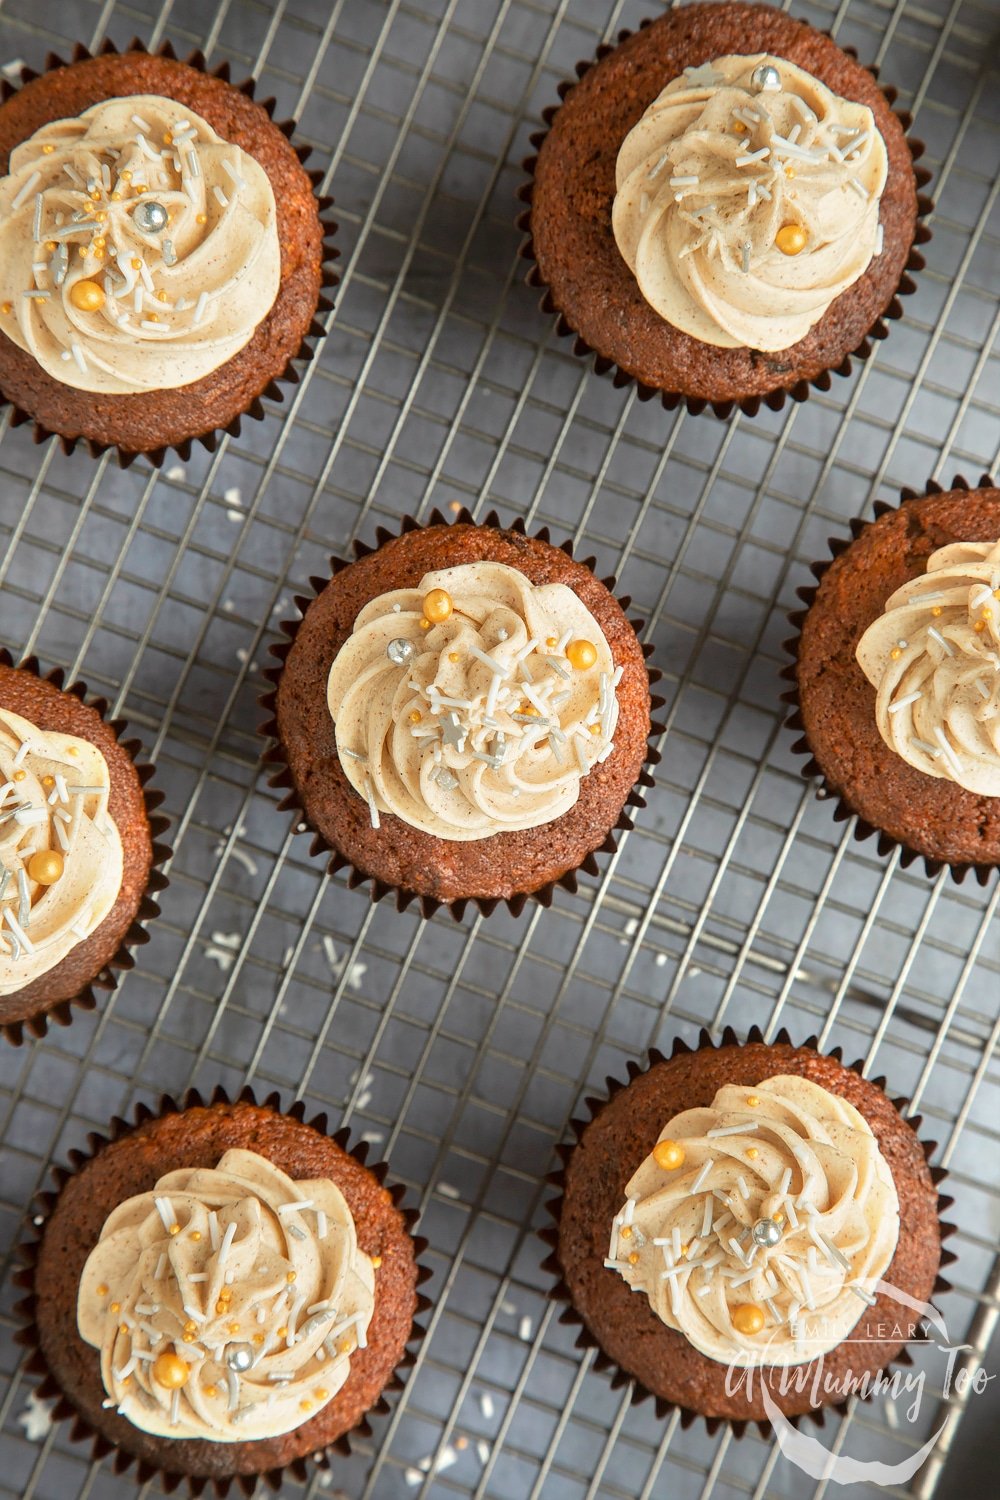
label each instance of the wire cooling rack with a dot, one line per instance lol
(462, 1051)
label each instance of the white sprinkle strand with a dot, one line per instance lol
(901, 703)
(26, 191)
(699, 1181)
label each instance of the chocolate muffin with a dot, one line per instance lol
(462, 715)
(79, 838)
(685, 1166)
(927, 781)
(295, 1214)
(161, 251)
(765, 289)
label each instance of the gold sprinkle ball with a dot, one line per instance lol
(748, 1318)
(175, 1229)
(752, 1153)
(290, 1276)
(895, 653)
(739, 128)
(20, 775)
(454, 656)
(187, 1338)
(7, 308)
(752, 1101)
(345, 1346)
(168, 139)
(258, 1338)
(102, 1290)
(979, 626)
(190, 1326)
(437, 606)
(779, 1218)
(136, 263)
(161, 296)
(48, 782)
(283, 1331)
(581, 654)
(791, 239)
(376, 1261)
(415, 716)
(322, 1394)
(117, 198)
(47, 150)
(51, 245)
(45, 866)
(123, 1328)
(633, 1259)
(170, 1370)
(201, 218)
(626, 1231)
(139, 188)
(425, 624)
(936, 610)
(668, 1155)
(305, 1405)
(115, 1307)
(196, 1234)
(210, 1390)
(233, 1327)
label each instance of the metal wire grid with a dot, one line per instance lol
(464, 1050)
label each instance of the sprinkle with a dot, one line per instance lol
(706, 1222)
(140, 123)
(948, 753)
(199, 310)
(156, 327)
(658, 168)
(945, 645)
(792, 1215)
(372, 808)
(18, 931)
(36, 228)
(866, 1297)
(220, 196)
(24, 898)
(234, 175)
(836, 1254)
(233, 1382)
(901, 703)
(754, 156)
(879, 237)
(732, 1130)
(36, 295)
(293, 1229)
(783, 1185)
(981, 688)
(858, 188)
(745, 262)
(690, 180)
(25, 191)
(227, 1241)
(741, 1183)
(699, 1181)
(79, 358)
(291, 1208)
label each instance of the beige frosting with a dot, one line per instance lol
(818, 1164)
(75, 184)
(53, 796)
(258, 1269)
(489, 726)
(933, 657)
(711, 173)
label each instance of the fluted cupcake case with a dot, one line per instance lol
(560, 1292)
(314, 1452)
(275, 756)
(36, 1022)
(271, 383)
(813, 771)
(744, 39)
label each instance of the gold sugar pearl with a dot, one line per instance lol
(233, 1327)
(196, 1234)
(290, 1277)
(979, 626)
(20, 775)
(779, 1218)
(437, 606)
(123, 1328)
(791, 239)
(201, 218)
(283, 1331)
(752, 1101)
(168, 139)
(190, 1326)
(529, 710)
(895, 653)
(126, 176)
(102, 1290)
(752, 1153)
(376, 1261)
(633, 1259)
(305, 1405)
(322, 1394)
(595, 728)
(117, 198)
(51, 245)
(425, 624)
(258, 1338)
(551, 642)
(174, 1229)
(626, 1231)
(748, 1318)
(48, 782)
(86, 295)
(789, 170)
(82, 251)
(136, 263)
(210, 1390)
(101, 216)
(161, 296)
(115, 1307)
(346, 1346)
(581, 655)
(221, 1307)
(454, 656)
(936, 610)
(668, 1155)
(170, 1371)
(739, 128)
(47, 150)
(416, 716)
(7, 309)
(187, 1338)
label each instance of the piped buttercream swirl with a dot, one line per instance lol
(54, 791)
(226, 1302)
(488, 725)
(714, 175)
(933, 657)
(106, 304)
(785, 1153)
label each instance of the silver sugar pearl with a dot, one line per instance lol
(766, 1233)
(239, 1357)
(765, 78)
(150, 217)
(400, 652)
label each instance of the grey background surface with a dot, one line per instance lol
(462, 1051)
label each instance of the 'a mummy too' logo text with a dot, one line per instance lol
(822, 1385)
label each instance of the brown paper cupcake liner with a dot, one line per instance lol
(82, 1430)
(811, 769)
(560, 1292)
(428, 905)
(775, 399)
(62, 1012)
(291, 374)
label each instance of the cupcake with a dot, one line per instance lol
(220, 1292)
(462, 715)
(897, 678)
(161, 252)
(735, 1227)
(78, 852)
(724, 209)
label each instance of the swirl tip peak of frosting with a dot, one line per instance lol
(109, 294)
(253, 1281)
(712, 174)
(796, 1160)
(54, 791)
(487, 725)
(933, 657)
